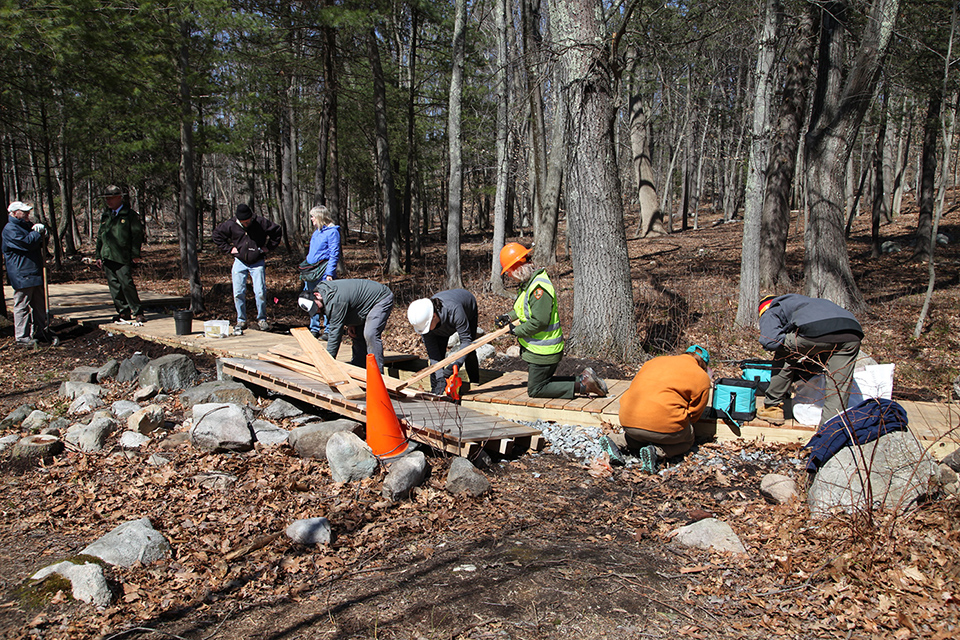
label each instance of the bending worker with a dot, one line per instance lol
(800, 330)
(439, 317)
(349, 304)
(538, 331)
(667, 396)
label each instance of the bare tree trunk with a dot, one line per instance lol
(759, 151)
(391, 213)
(408, 178)
(775, 215)
(503, 141)
(603, 310)
(188, 179)
(928, 172)
(650, 221)
(947, 123)
(455, 197)
(879, 196)
(838, 111)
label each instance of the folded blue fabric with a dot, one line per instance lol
(861, 424)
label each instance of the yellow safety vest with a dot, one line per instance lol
(550, 340)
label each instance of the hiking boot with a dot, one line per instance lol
(29, 343)
(772, 414)
(648, 459)
(140, 319)
(590, 382)
(611, 449)
(264, 325)
(121, 317)
(238, 328)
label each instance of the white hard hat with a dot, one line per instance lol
(420, 315)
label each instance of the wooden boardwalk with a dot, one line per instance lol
(936, 424)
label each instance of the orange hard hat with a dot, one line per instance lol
(512, 254)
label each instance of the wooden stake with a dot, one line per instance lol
(479, 342)
(329, 368)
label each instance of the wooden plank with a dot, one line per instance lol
(327, 365)
(476, 344)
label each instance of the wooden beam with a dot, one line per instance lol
(479, 342)
(327, 365)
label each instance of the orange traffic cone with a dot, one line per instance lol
(384, 434)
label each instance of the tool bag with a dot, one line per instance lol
(758, 371)
(735, 399)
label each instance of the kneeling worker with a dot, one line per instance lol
(539, 333)
(665, 399)
(439, 317)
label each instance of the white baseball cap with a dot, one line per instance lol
(16, 205)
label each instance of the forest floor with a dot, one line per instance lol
(557, 547)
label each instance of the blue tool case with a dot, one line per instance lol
(758, 371)
(735, 399)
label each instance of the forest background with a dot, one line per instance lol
(504, 118)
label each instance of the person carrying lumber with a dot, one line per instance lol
(436, 319)
(539, 332)
(802, 331)
(667, 396)
(349, 304)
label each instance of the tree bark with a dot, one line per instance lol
(455, 197)
(503, 142)
(641, 134)
(759, 151)
(391, 213)
(603, 310)
(775, 215)
(838, 111)
(928, 174)
(188, 179)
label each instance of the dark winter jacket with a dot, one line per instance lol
(252, 243)
(867, 421)
(346, 303)
(120, 236)
(807, 317)
(22, 254)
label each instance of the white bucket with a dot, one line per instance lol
(216, 328)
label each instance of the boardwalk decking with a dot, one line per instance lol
(936, 424)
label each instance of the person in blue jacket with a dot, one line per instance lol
(323, 258)
(22, 251)
(802, 331)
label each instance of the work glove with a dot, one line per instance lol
(39, 228)
(502, 321)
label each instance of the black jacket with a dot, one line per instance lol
(252, 242)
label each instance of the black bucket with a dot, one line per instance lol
(184, 322)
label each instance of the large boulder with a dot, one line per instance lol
(146, 420)
(84, 404)
(87, 582)
(280, 409)
(221, 426)
(309, 531)
(170, 373)
(129, 370)
(16, 416)
(131, 542)
(403, 475)
(108, 370)
(897, 469)
(463, 477)
(91, 436)
(121, 409)
(310, 440)
(36, 421)
(72, 390)
(778, 489)
(217, 391)
(267, 433)
(709, 533)
(83, 374)
(350, 457)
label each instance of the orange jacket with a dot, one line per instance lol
(667, 393)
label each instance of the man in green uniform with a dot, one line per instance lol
(118, 248)
(539, 332)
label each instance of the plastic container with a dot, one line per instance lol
(216, 328)
(735, 398)
(758, 371)
(183, 319)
